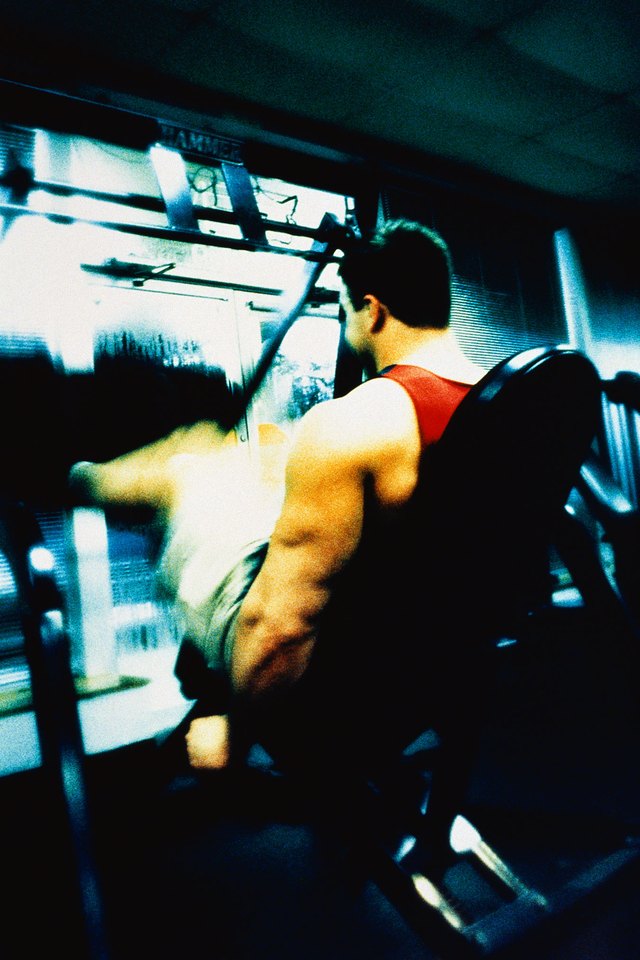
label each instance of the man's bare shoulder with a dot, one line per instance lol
(374, 420)
(375, 409)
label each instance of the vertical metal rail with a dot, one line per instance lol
(174, 187)
(330, 236)
(58, 724)
(243, 201)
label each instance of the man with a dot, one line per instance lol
(351, 475)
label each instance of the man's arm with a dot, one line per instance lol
(369, 439)
(317, 533)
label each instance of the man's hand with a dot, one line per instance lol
(208, 743)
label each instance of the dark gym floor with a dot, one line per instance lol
(244, 868)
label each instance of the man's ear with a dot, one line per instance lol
(378, 312)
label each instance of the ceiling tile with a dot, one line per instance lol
(597, 42)
(246, 68)
(621, 190)
(47, 18)
(491, 83)
(550, 170)
(396, 118)
(190, 6)
(137, 31)
(634, 97)
(371, 36)
(609, 137)
(479, 13)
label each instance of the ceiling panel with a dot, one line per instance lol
(189, 6)
(367, 36)
(550, 170)
(595, 41)
(609, 137)
(254, 70)
(134, 31)
(395, 117)
(146, 36)
(493, 84)
(480, 13)
(622, 190)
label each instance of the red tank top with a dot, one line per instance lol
(434, 398)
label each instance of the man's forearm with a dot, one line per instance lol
(271, 650)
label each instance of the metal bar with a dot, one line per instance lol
(243, 201)
(573, 291)
(56, 715)
(428, 891)
(333, 233)
(141, 202)
(172, 179)
(318, 296)
(165, 233)
(137, 200)
(499, 869)
(105, 270)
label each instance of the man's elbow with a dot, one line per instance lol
(273, 671)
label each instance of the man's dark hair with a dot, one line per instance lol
(408, 267)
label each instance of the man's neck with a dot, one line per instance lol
(435, 350)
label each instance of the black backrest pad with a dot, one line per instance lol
(496, 482)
